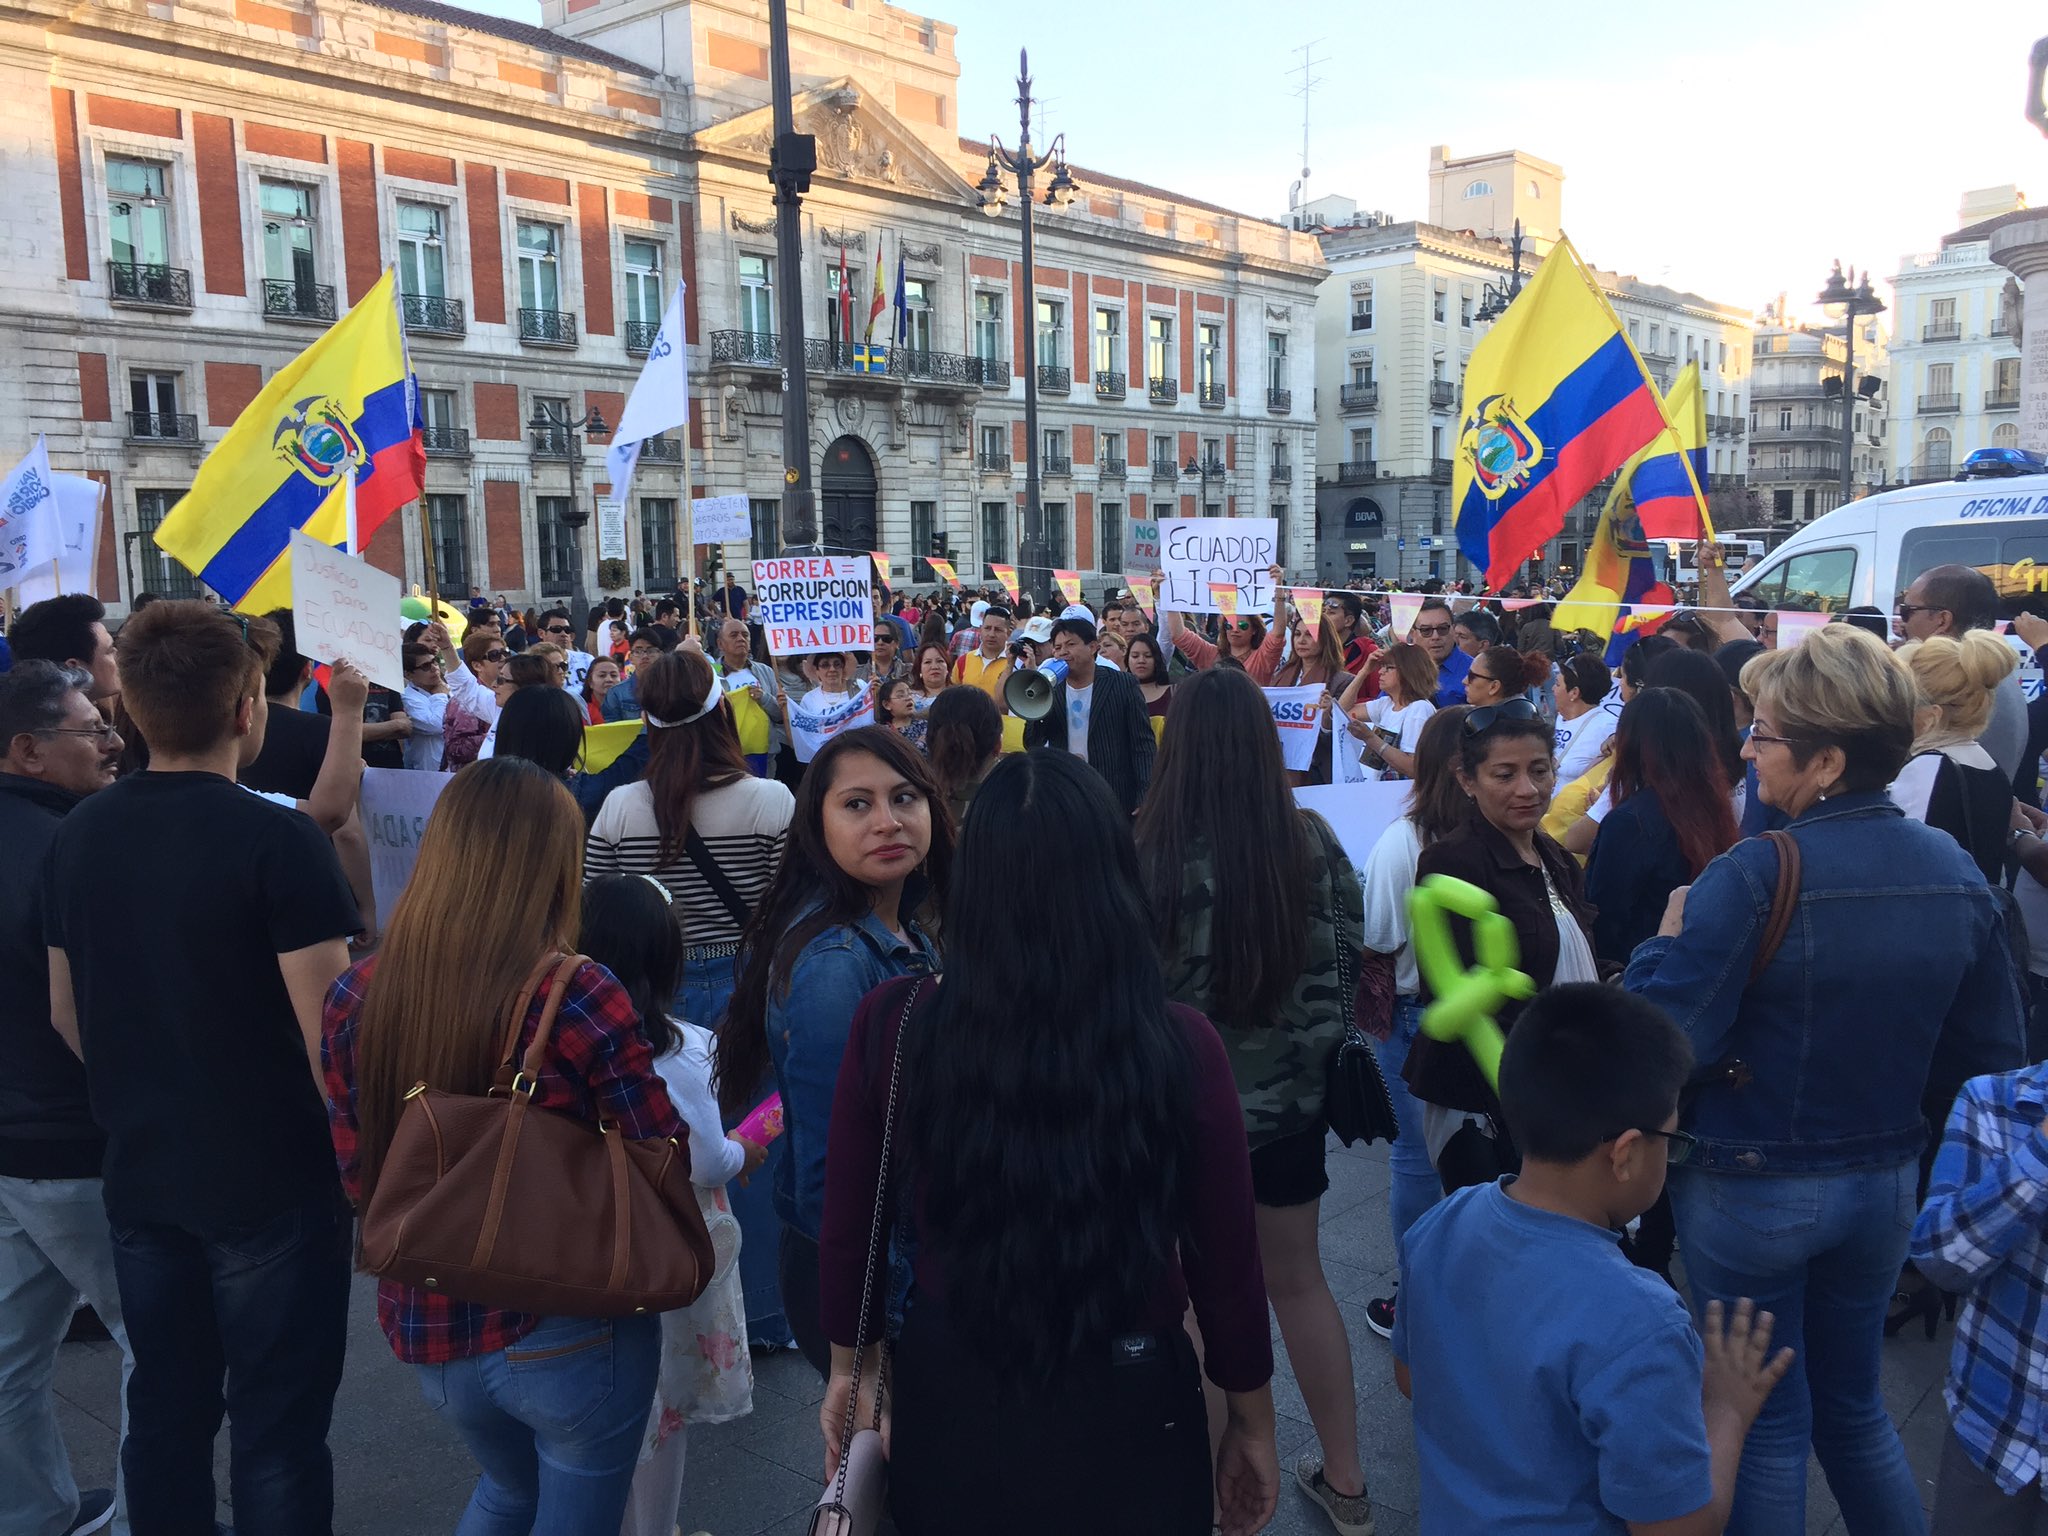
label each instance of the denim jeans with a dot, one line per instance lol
(1414, 1188)
(1822, 1252)
(555, 1423)
(53, 1249)
(251, 1323)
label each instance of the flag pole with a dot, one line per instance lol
(427, 559)
(690, 541)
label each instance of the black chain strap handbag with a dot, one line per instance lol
(1357, 1102)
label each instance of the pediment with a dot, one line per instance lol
(857, 141)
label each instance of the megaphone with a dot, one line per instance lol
(1028, 695)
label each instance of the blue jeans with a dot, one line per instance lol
(1823, 1253)
(1415, 1186)
(555, 1423)
(251, 1323)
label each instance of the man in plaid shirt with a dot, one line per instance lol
(1984, 1232)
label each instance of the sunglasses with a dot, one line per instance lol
(560, 629)
(1907, 610)
(1482, 720)
(1433, 631)
(494, 655)
(1678, 1145)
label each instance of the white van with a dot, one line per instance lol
(1867, 553)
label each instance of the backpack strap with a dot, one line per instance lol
(1784, 901)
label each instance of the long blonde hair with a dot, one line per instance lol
(436, 1005)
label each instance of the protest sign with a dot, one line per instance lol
(1298, 717)
(345, 609)
(720, 520)
(815, 719)
(813, 603)
(395, 805)
(1069, 583)
(1198, 553)
(943, 569)
(78, 528)
(611, 528)
(1357, 813)
(1347, 753)
(1141, 546)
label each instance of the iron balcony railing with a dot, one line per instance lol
(1211, 394)
(1440, 471)
(1358, 397)
(547, 328)
(289, 299)
(662, 450)
(2002, 399)
(1054, 381)
(1354, 472)
(1111, 469)
(1279, 401)
(553, 442)
(1940, 405)
(1442, 392)
(433, 316)
(639, 336)
(1109, 384)
(150, 286)
(1162, 391)
(448, 442)
(992, 463)
(1056, 464)
(1942, 330)
(162, 427)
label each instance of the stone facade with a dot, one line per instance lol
(1795, 425)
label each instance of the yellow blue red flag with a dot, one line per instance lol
(1555, 400)
(347, 405)
(1670, 501)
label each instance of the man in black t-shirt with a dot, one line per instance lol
(193, 930)
(294, 739)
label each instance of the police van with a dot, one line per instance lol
(1867, 553)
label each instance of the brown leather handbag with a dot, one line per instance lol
(489, 1200)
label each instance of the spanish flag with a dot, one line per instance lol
(347, 406)
(880, 299)
(1670, 483)
(1556, 399)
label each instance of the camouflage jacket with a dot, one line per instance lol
(1282, 1064)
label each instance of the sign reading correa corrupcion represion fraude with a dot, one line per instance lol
(814, 603)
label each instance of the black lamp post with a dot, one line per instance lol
(565, 431)
(1495, 300)
(1853, 299)
(1034, 554)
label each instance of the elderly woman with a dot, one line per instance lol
(1894, 969)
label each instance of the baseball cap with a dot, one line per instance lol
(1039, 630)
(1077, 611)
(977, 613)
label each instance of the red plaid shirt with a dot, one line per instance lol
(599, 1067)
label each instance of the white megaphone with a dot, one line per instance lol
(1028, 695)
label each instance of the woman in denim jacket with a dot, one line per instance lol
(1894, 974)
(868, 852)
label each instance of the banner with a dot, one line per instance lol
(721, 520)
(1402, 610)
(78, 522)
(396, 803)
(1347, 753)
(1310, 601)
(1224, 599)
(1198, 554)
(881, 566)
(1141, 546)
(810, 728)
(943, 569)
(1007, 575)
(611, 528)
(1298, 717)
(1357, 813)
(30, 530)
(1069, 583)
(344, 608)
(813, 603)
(1141, 589)
(659, 402)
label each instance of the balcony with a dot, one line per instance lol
(288, 299)
(1940, 405)
(553, 442)
(1942, 330)
(2002, 326)
(1352, 472)
(1054, 381)
(1724, 482)
(1212, 394)
(1162, 391)
(1214, 469)
(547, 328)
(1163, 471)
(1111, 469)
(1655, 355)
(639, 336)
(756, 349)
(1810, 431)
(1283, 474)
(1055, 464)
(1442, 392)
(147, 286)
(661, 450)
(431, 316)
(1109, 384)
(2002, 399)
(990, 372)
(1279, 401)
(992, 463)
(447, 442)
(1358, 397)
(163, 427)
(1440, 471)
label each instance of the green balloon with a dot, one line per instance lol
(415, 608)
(1467, 999)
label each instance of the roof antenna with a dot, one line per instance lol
(1297, 195)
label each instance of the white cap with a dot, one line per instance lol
(977, 613)
(1039, 630)
(1078, 611)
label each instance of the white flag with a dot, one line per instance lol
(78, 517)
(660, 400)
(29, 531)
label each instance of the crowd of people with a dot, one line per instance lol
(1002, 1051)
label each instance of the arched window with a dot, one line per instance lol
(2005, 436)
(1479, 189)
(1536, 190)
(1940, 450)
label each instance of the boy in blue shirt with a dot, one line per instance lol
(1557, 1387)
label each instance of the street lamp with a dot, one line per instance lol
(1496, 300)
(1852, 298)
(563, 430)
(1060, 191)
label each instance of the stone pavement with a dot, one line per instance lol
(399, 1472)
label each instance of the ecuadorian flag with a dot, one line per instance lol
(1618, 595)
(1669, 500)
(346, 406)
(1555, 400)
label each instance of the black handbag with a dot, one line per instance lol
(1356, 1101)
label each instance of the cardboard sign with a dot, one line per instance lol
(721, 520)
(1198, 554)
(1298, 717)
(396, 803)
(1141, 546)
(1357, 813)
(814, 603)
(611, 528)
(345, 609)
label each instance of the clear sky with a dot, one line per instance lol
(1733, 147)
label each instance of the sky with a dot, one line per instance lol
(1735, 148)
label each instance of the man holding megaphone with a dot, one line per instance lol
(1095, 712)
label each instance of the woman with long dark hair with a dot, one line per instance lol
(1253, 898)
(864, 872)
(1073, 1153)
(1146, 662)
(557, 1450)
(543, 725)
(1391, 724)
(963, 740)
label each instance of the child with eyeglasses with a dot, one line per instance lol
(1557, 1386)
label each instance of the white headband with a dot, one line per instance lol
(711, 698)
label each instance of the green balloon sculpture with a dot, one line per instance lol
(1466, 1000)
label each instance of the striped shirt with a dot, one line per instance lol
(742, 823)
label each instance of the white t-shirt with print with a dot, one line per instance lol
(1578, 742)
(1403, 725)
(1080, 705)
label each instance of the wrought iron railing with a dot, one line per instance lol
(448, 442)
(1442, 392)
(1056, 464)
(1109, 384)
(1279, 401)
(1358, 397)
(993, 463)
(639, 336)
(162, 427)
(547, 327)
(1162, 391)
(662, 450)
(146, 283)
(1054, 381)
(1111, 469)
(1211, 394)
(435, 316)
(289, 299)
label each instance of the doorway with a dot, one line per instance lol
(846, 496)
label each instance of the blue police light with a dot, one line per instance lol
(1999, 463)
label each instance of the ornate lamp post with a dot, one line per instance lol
(547, 424)
(1496, 300)
(1852, 299)
(1035, 554)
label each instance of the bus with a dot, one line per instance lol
(1737, 552)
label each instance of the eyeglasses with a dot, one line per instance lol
(560, 629)
(1907, 610)
(1480, 721)
(1432, 631)
(1678, 1145)
(102, 733)
(494, 655)
(1781, 741)
(1474, 675)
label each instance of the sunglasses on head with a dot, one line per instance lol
(1484, 719)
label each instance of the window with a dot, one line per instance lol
(1209, 357)
(1109, 524)
(1278, 512)
(1361, 445)
(1437, 299)
(658, 541)
(448, 520)
(924, 519)
(422, 256)
(1436, 368)
(1465, 310)
(1941, 379)
(1478, 189)
(153, 404)
(993, 446)
(1212, 453)
(995, 532)
(540, 282)
(1276, 360)
(2005, 377)
(437, 409)
(1281, 455)
(1536, 191)
(1785, 419)
(1159, 359)
(643, 284)
(988, 327)
(1054, 459)
(2005, 435)
(835, 311)
(766, 515)
(757, 295)
(288, 248)
(1939, 452)
(1361, 371)
(1109, 341)
(1112, 449)
(1052, 334)
(138, 213)
(1941, 313)
(154, 570)
(1436, 440)
(1361, 307)
(1055, 518)
(917, 313)
(1162, 450)
(557, 542)
(1657, 339)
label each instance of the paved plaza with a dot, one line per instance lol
(400, 1472)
